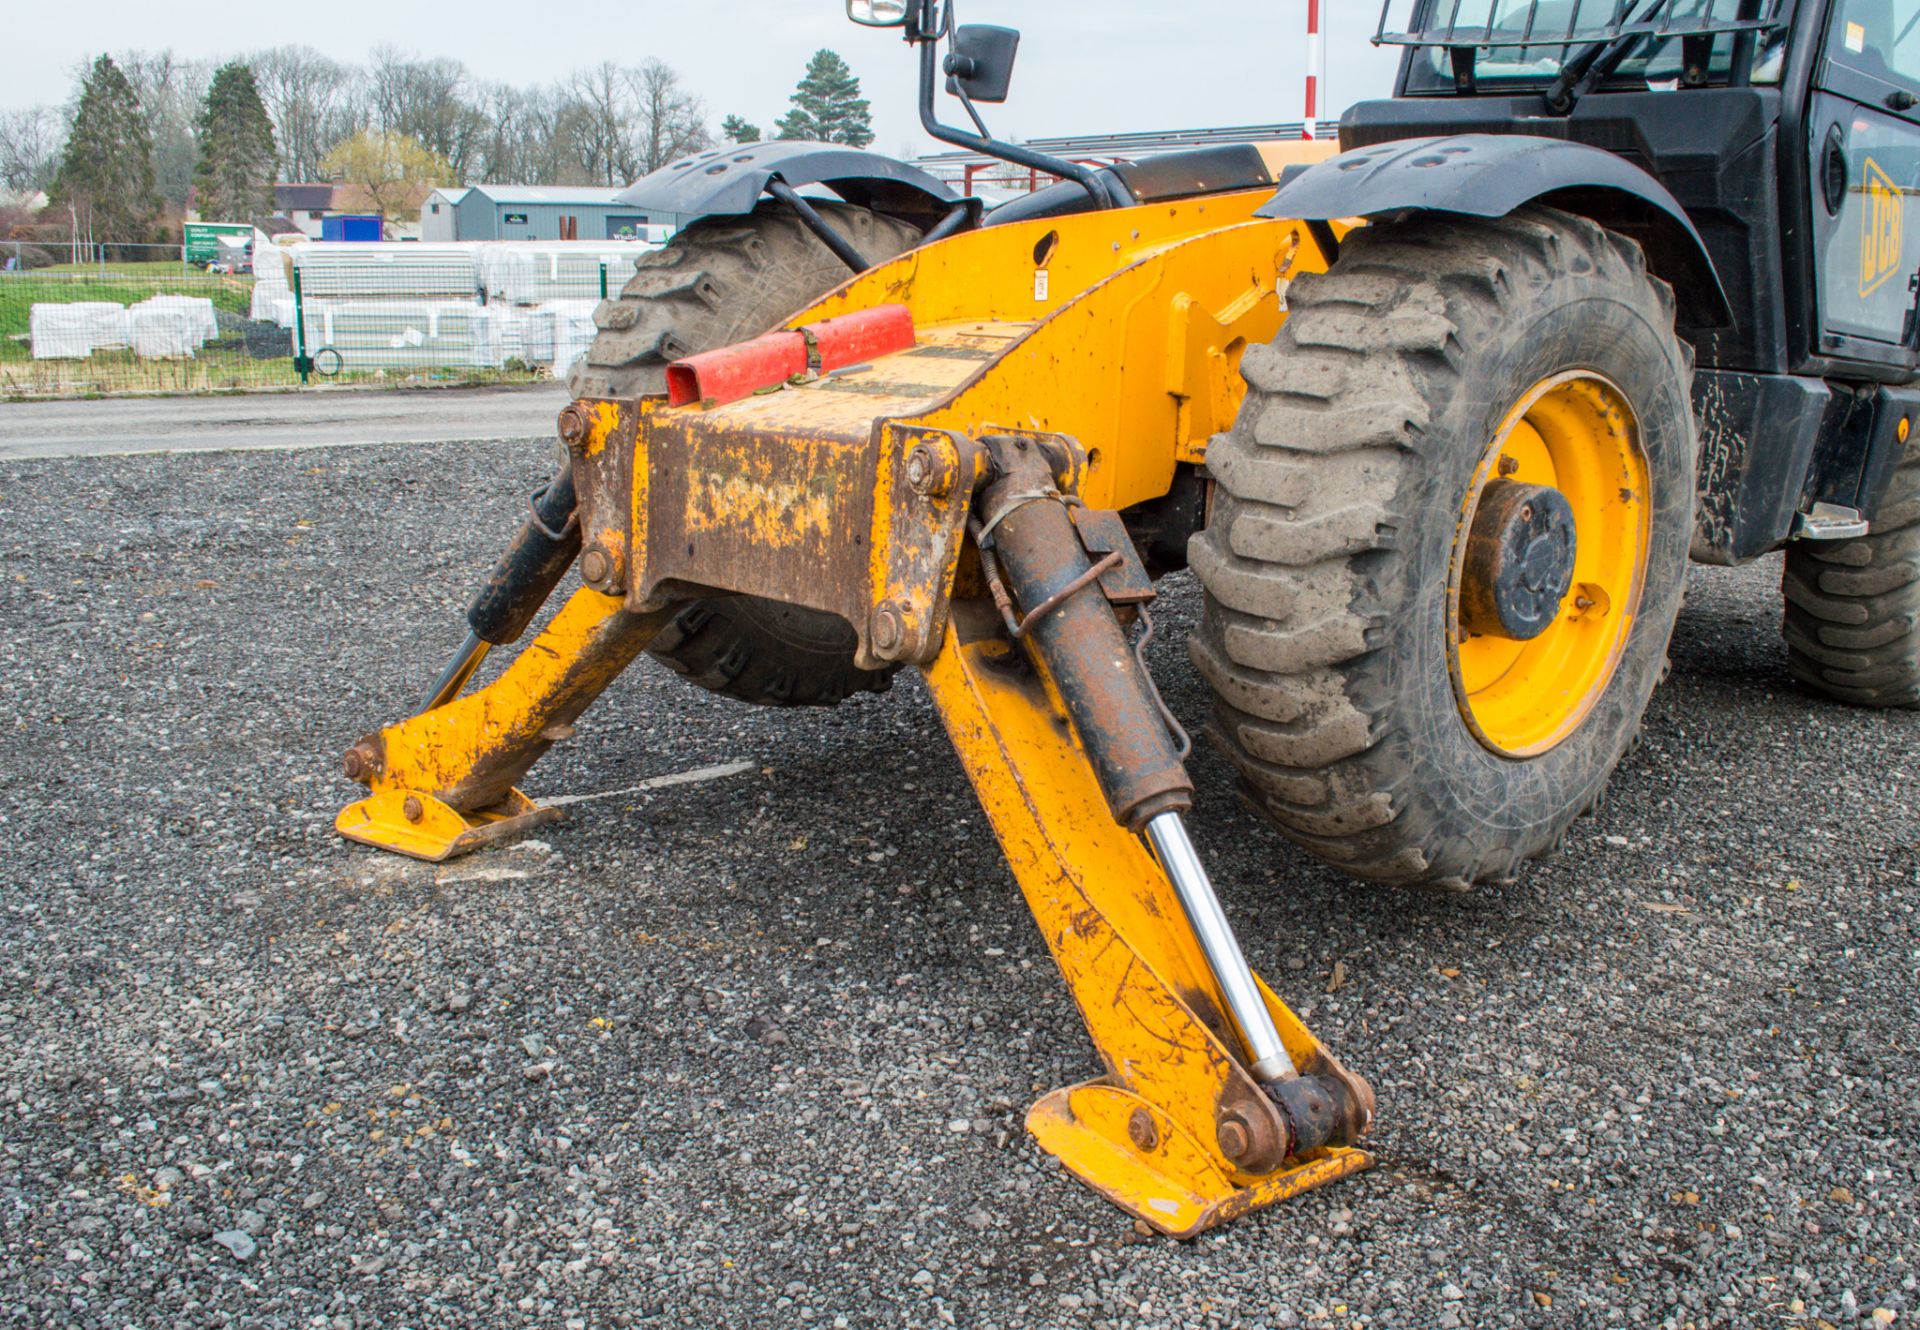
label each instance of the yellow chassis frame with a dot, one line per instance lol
(1120, 331)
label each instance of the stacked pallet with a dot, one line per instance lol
(400, 306)
(410, 334)
(158, 328)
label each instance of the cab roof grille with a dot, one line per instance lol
(1479, 24)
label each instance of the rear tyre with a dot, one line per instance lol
(1372, 709)
(722, 281)
(1853, 606)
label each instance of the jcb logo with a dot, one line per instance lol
(1880, 247)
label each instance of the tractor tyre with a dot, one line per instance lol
(720, 281)
(1853, 606)
(1449, 542)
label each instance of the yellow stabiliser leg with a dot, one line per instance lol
(1147, 1134)
(442, 783)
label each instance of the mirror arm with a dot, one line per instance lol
(1086, 177)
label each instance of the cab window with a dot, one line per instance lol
(1879, 38)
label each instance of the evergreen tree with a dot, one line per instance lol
(736, 129)
(105, 182)
(827, 106)
(233, 179)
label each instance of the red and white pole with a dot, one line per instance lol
(1316, 69)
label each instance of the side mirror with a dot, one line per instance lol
(981, 62)
(879, 13)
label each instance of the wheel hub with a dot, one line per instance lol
(1548, 563)
(1519, 561)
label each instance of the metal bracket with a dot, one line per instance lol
(1829, 521)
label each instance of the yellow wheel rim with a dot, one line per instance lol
(1575, 433)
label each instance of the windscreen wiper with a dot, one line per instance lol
(1594, 63)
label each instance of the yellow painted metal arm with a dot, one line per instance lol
(1145, 1134)
(442, 783)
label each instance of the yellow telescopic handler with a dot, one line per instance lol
(1419, 413)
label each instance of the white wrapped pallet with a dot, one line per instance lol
(410, 334)
(197, 310)
(573, 330)
(111, 330)
(76, 330)
(536, 336)
(161, 332)
(271, 308)
(60, 332)
(386, 270)
(272, 282)
(520, 272)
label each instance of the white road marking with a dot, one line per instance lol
(448, 876)
(694, 777)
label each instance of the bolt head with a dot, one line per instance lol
(574, 425)
(413, 808)
(928, 472)
(596, 566)
(361, 763)
(889, 629)
(1234, 1139)
(1142, 1131)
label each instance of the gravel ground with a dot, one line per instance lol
(755, 1052)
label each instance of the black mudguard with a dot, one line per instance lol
(730, 181)
(1490, 175)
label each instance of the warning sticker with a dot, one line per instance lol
(1856, 37)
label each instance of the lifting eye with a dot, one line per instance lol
(1043, 250)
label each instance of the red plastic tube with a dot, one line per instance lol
(733, 372)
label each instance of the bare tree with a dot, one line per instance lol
(670, 121)
(30, 142)
(527, 138)
(625, 122)
(597, 123)
(314, 104)
(426, 100)
(170, 91)
(604, 125)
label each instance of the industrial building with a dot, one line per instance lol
(536, 212)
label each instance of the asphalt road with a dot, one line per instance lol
(317, 418)
(753, 1049)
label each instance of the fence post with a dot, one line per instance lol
(603, 279)
(302, 362)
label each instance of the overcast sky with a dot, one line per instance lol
(1086, 66)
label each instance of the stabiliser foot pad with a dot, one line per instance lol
(422, 827)
(1132, 1153)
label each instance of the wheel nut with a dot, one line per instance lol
(413, 808)
(574, 425)
(1141, 1131)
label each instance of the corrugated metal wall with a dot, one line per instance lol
(439, 226)
(477, 217)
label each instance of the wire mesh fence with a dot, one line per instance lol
(288, 315)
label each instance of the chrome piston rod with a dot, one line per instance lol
(1167, 833)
